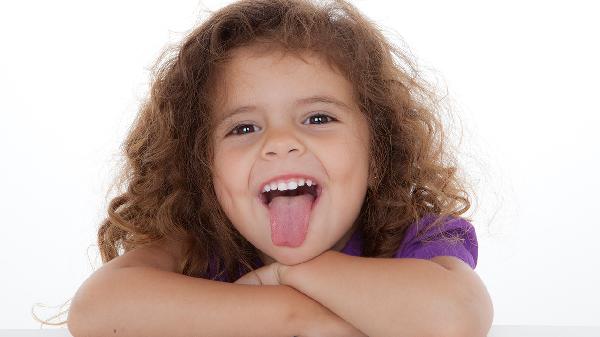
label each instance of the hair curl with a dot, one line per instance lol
(167, 180)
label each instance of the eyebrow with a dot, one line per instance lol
(302, 101)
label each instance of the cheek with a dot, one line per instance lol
(227, 165)
(349, 158)
(223, 196)
(231, 174)
(222, 177)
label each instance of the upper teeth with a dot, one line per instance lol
(290, 184)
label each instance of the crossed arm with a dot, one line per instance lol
(396, 297)
(136, 295)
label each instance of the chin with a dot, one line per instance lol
(294, 257)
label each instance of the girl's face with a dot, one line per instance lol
(283, 132)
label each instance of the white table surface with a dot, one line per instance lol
(496, 331)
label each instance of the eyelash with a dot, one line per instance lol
(315, 115)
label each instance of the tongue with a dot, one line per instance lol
(289, 219)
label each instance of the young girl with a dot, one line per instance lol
(287, 176)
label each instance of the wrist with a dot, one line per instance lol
(296, 275)
(302, 312)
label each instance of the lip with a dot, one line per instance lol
(288, 176)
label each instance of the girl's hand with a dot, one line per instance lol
(317, 320)
(267, 275)
(313, 318)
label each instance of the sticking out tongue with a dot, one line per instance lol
(289, 219)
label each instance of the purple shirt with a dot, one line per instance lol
(456, 237)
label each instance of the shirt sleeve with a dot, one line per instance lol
(456, 237)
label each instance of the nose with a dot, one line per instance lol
(280, 143)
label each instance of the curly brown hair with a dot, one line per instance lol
(166, 177)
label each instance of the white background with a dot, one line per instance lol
(522, 77)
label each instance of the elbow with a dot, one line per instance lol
(475, 313)
(79, 317)
(86, 312)
(81, 320)
(75, 320)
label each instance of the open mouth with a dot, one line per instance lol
(290, 213)
(314, 190)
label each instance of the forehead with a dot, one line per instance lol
(263, 55)
(251, 75)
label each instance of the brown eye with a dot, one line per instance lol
(241, 129)
(321, 118)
